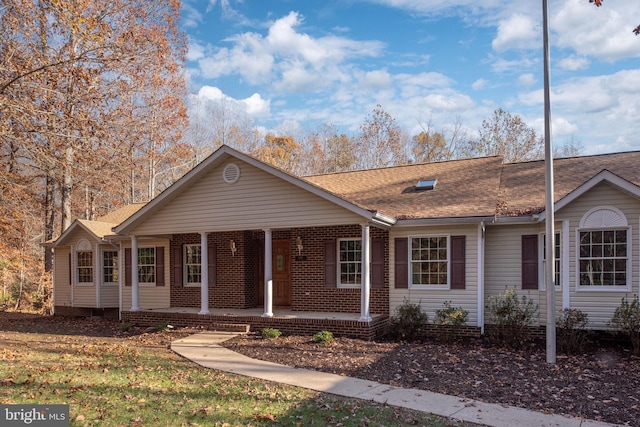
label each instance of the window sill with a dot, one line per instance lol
(430, 287)
(349, 286)
(192, 285)
(595, 288)
(86, 285)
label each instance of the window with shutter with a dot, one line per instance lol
(530, 261)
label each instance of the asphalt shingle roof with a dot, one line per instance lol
(464, 188)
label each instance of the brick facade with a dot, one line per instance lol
(237, 278)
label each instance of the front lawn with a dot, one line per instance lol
(113, 378)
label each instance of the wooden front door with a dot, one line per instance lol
(281, 271)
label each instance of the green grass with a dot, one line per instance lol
(116, 382)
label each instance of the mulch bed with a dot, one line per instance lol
(603, 384)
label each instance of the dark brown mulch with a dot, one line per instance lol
(602, 385)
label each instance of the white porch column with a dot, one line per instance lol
(204, 274)
(366, 275)
(268, 275)
(135, 288)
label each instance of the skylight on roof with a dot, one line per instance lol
(426, 184)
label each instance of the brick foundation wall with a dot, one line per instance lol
(298, 326)
(237, 278)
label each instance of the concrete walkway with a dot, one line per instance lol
(205, 349)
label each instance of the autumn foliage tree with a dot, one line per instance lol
(379, 143)
(89, 91)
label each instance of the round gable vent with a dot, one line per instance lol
(231, 173)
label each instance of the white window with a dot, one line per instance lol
(85, 267)
(192, 265)
(429, 265)
(110, 267)
(557, 258)
(604, 250)
(147, 266)
(350, 262)
(604, 258)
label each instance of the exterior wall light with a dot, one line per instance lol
(233, 247)
(299, 244)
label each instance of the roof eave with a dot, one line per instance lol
(443, 221)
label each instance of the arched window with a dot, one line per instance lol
(604, 250)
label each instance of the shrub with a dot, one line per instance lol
(409, 321)
(626, 320)
(164, 327)
(512, 317)
(449, 320)
(572, 335)
(126, 326)
(271, 333)
(323, 337)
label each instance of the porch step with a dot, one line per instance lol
(240, 328)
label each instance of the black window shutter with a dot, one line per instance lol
(70, 271)
(159, 265)
(177, 266)
(127, 266)
(211, 261)
(377, 263)
(530, 261)
(330, 272)
(458, 262)
(401, 263)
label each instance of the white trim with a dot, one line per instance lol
(135, 286)
(566, 270)
(97, 277)
(481, 232)
(268, 273)
(421, 287)
(121, 278)
(339, 283)
(204, 274)
(365, 293)
(605, 216)
(603, 176)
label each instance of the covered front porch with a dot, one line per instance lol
(286, 320)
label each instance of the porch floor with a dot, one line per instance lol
(280, 313)
(288, 321)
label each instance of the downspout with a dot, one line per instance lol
(481, 234)
(72, 274)
(120, 279)
(96, 276)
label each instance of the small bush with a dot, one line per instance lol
(323, 337)
(449, 320)
(126, 326)
(409, 321)
(571, 329)
(512, 317)
(164, 327)
(271, 333)
(626, 320)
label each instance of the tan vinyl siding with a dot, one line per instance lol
(503, 265)
(258, 199)
(600, 305)
(432, 300)
(62, 288)
(150, 296)
(109, 296)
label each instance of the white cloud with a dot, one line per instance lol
(602, 32)
(573, 63)
(196, 50)
(254, 106)
(517, 32)
(479, 84)
(527, 79)
(377, 79)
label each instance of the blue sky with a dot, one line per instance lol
(293, 65)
